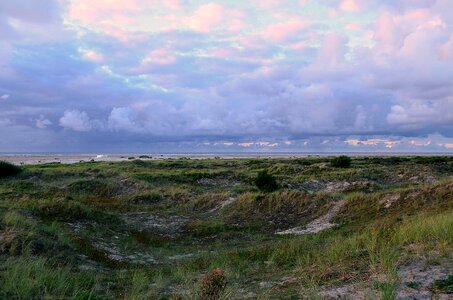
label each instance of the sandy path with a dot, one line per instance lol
(317, 225)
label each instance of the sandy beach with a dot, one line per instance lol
(30, 159)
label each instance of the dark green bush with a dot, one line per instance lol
(427, 160)
(266, 182)
(7, 169)
(140, 163)
(341, 162)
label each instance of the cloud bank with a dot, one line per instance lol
(351, 75)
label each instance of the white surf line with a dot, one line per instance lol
(317, 225)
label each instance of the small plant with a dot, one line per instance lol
(266, 182)
(341, 162)
(212, 284)
(145, 198)
(8, 169)
(413, 285)
(444, 286)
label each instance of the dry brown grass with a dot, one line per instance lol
(212, 284)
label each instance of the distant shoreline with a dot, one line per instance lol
(66, 158)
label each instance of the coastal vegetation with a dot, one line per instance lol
(299, 228)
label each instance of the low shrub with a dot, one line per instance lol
(8, 169)
(341, 162)
(213, 284)
(266, 182)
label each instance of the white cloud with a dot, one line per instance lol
(76, 120)
(448, 146)
(4, 97)
(245, 145)
(122, 118)
(92, 55)
(42, 122)
(5, 122)
(420, 143)
(353, 142)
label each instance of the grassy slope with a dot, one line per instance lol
(54, 219)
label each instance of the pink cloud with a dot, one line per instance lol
(173, 4)
(206, 17)
(236, 25)
(92, 11)
(391, 30)
(223, 52)
(351, 6)
(245, 145)
(93, 56)
(352, 26)
(282, 31)
(445, 51)
(353, 142)
(267, 4)
(160, 57)
(387, 34)
(332, 51)
(117, 18)
(448, 146)
(251, 42)
(299, 45)
(116, 32)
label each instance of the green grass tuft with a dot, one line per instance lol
(445, 285)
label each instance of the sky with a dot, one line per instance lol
(226, 76)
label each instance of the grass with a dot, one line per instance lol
(31, 278)
(62, 227)
(201, 228)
